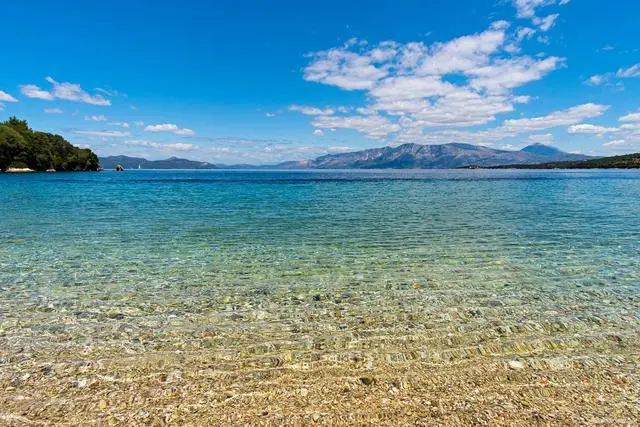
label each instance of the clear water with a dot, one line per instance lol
(365, 271)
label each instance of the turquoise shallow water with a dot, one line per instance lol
(303, 270)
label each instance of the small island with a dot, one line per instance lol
(25, 150)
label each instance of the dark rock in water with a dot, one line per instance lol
(367, 380)
(317, 297)
(116, 316)
(474, 312)
(119, 168)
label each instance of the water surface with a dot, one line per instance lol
(262, 284)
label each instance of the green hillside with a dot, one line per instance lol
(22, 147)
(626, 161)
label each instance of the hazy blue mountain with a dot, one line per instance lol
(416, 156)
(406, 156)
(170, 163)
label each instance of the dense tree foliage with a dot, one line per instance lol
(626, 161)
(20, 146)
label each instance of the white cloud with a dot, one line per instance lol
(33, 91)
(510, 128)
(527, 8)
(633, 117)
(53, 110)
(270, 114)
(607, 78)
(139, 123)
(613, 143)
(633, 71)
(342, 68)
(523, 33)
(339, 149)
(318, 132)
(103, 133)
(591, 129)
(506, 74)
(566, 117)
(546, 138)
(597, 79)
(64, 91)
(100, 118)
(546, 23)
(408, 86)
(169, 127)
(374, 126)
(5, 97)
(152, 144)
(312, 111)
(121, 124)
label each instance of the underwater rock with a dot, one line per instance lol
(367, 380)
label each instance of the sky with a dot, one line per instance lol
(262, 82)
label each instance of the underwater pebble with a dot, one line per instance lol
(516, 365)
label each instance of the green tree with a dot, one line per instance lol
(19, 144)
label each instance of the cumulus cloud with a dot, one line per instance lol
(608, 78)
(527, 8)
(53, 110)
(5, 97)
(100, 118)
(591, 129)
(121, 124)
(339, 149)
(33, 91)
(312, 111)
(169, 127)
(566, 117)
(103, 133)
(318, 132)
(633, 117)
(598, 79)
(374, 126)
(546, 23)
(546, 138)
(508, 129)
(633, 71)
(345, 69)
(163, 146)
(466, 81)
(614, 143)
(64, 91)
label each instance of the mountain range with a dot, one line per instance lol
(139, 163)
(406, 156)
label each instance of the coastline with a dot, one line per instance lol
(19, 170)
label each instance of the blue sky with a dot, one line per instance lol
(261, 82)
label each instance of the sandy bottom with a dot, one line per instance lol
(186, 389)
(404, 356)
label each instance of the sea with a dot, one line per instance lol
(147, 296)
